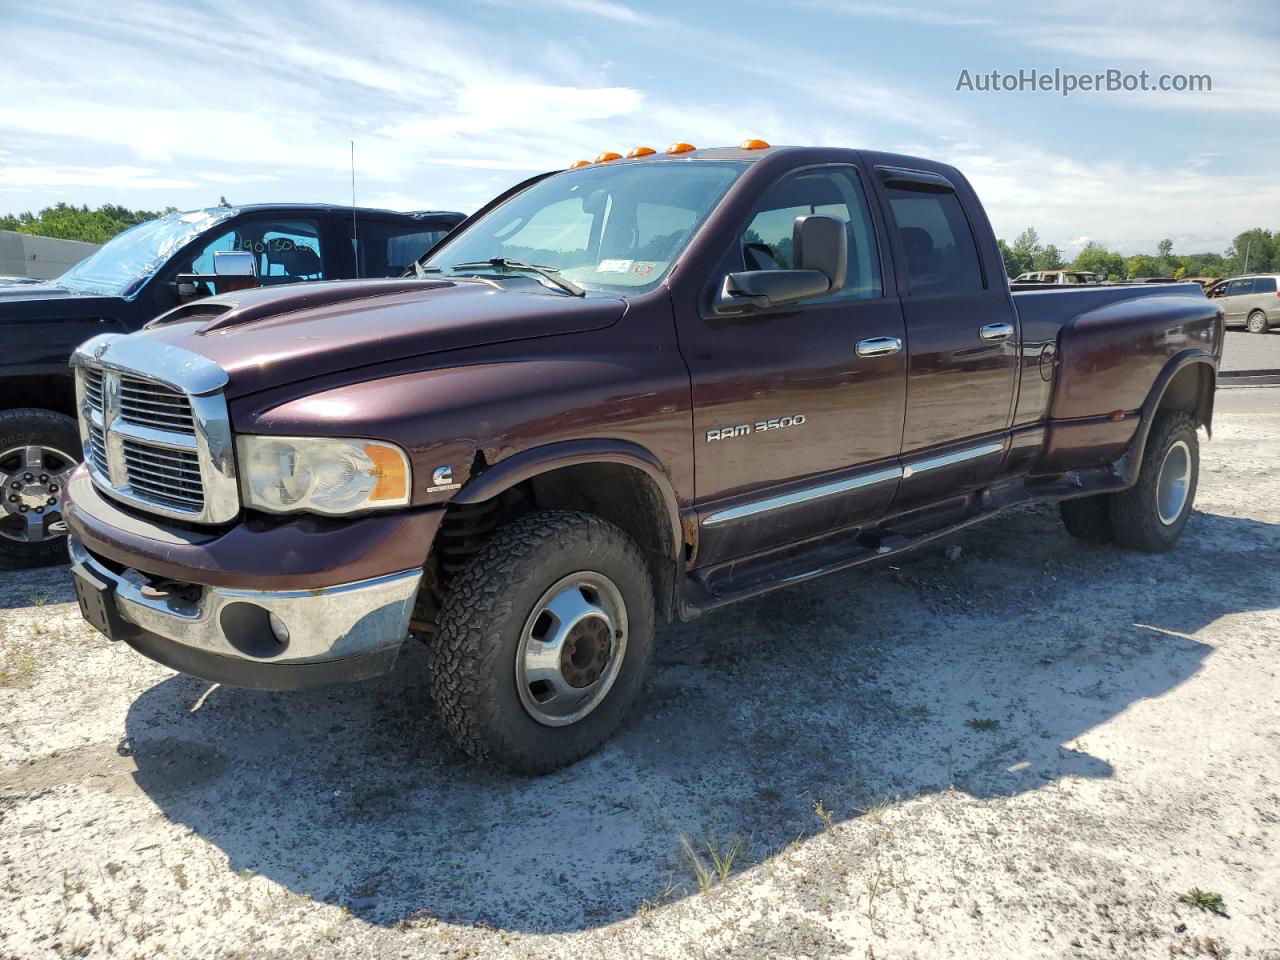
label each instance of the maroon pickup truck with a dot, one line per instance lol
(643, 387)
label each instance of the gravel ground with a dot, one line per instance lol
(1249, 351)
(1024, 747)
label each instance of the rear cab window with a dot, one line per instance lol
(940, 255)
(388, 249)
(1264, 285)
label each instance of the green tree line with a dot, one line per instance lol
(1254, 251)
(69, 222)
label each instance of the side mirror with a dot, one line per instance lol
(820, 247)
(235, 263)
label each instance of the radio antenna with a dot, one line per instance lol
(355, 240)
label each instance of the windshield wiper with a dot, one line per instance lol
(550, 274)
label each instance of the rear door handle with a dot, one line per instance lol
(996, 331)
(879, 346)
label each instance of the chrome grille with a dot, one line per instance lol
(93, 388)
(147, 441)
(165, 475)
(151, 404)
(96, 449)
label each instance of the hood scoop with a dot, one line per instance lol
(262, 303)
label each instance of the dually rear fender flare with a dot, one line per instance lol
(1203, 412)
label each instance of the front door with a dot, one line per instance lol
(962, 336)
(797, 429)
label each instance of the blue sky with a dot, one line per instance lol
(166, 104)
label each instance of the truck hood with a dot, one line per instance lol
(268, 337)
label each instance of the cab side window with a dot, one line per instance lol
(286, 251)
(832, 191)
(1238, 288)
(941, 256)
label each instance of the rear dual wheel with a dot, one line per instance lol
(544, 641)
(1150, 515)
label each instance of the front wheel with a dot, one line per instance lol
(38, 451)
(1257, 322)
(1152, 513)
(544, 641)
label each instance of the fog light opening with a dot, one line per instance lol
(278, 628)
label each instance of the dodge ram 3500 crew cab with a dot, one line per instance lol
(136, 276)
(639, 388)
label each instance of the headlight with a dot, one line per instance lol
(323, 475)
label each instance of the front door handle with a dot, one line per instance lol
(996, 331)
(879, 346)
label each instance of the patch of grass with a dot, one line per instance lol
(875, 809)
(716, 864)
(17, 664)
(824, 815)
(1206, 900)
(983, 724)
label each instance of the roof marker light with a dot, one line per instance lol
(751, 143)
(607, 156)
(641, 152)
(681, 147)
(579, 163)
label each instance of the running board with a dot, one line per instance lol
(724, 583)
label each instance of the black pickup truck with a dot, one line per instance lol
(138, 275)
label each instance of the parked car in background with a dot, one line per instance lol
(1058, 276)
(1205, 282)
(1251, 302)
(636, 389)
(140, 273)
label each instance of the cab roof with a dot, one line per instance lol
(331, 208)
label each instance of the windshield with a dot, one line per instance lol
(614, 227)
(129, 259)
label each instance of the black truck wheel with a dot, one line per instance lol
(1151, 514)
(38, 451)
(1088, 518)
(544, 641)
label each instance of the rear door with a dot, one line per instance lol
(797, 409)
(1262, 297)
(962, 340)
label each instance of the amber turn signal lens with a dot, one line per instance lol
(579, 163)
(681, 147)
(641, 152)
(751, 143)
(392, 480)
(607, 156)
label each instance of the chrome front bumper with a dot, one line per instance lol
(345, 632)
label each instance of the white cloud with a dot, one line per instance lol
(448, 106)
(39, 175)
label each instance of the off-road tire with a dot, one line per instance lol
(1257, 322)
(1135, 517)
(484, 611)
(32, 426)
(1088, 518)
